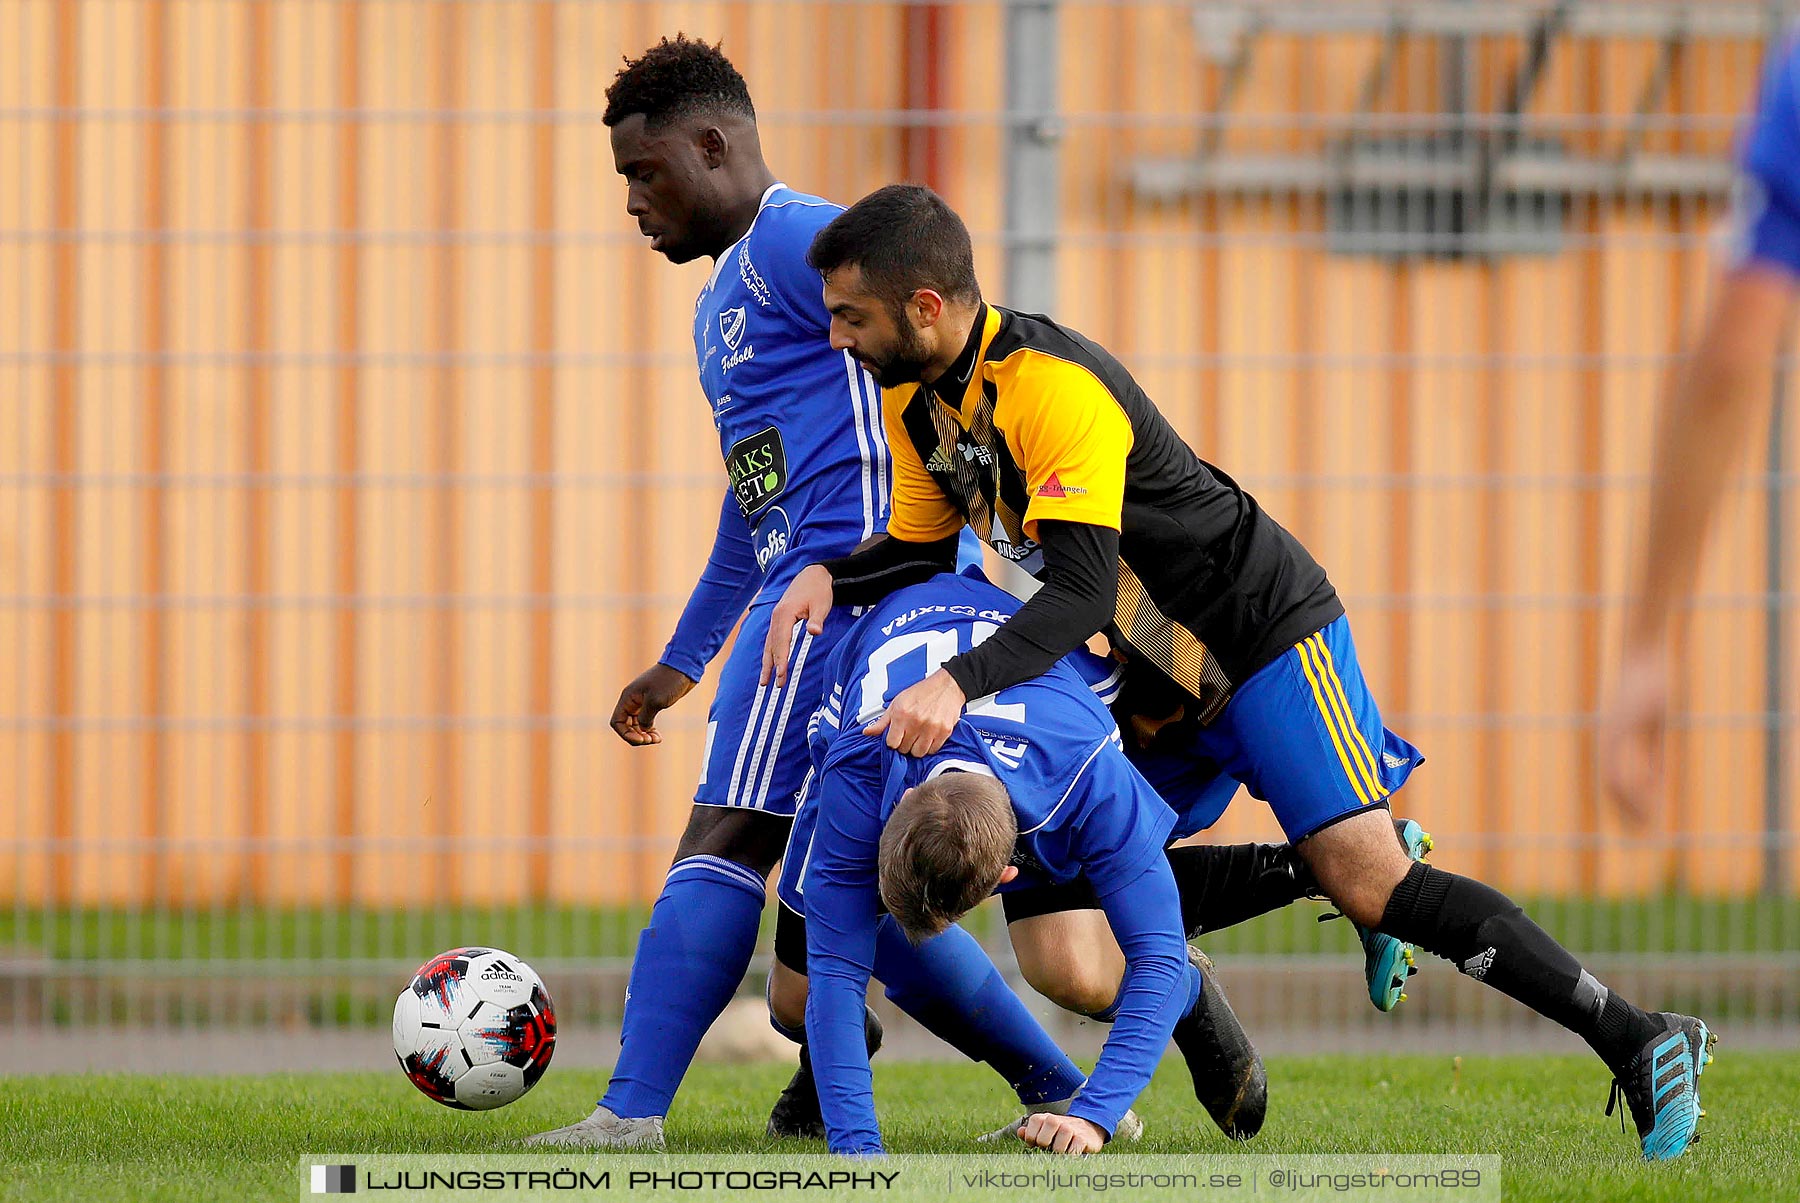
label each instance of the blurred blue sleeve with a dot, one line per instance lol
(726, 586)
(1160, 987)
(1768, 216)
(842, 910)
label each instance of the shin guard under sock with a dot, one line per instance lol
(1489, 938)
(688, 964)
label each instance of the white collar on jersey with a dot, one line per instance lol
(761, 204)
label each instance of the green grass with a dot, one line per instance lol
(1664, 923)
(140, 1138)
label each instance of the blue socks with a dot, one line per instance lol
(951, 987)
(688, 965)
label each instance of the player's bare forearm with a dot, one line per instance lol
(1716, 400)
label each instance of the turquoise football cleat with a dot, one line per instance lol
(1388, 962)
(1661, 1086)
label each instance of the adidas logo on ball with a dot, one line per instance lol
(500, 971)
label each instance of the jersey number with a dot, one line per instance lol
(939, 647)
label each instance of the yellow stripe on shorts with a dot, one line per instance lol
(1328, 669)
(1312, 677)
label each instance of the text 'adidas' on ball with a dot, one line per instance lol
(475, 1029)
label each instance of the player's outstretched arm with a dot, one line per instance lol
(1716, 401)
(861, 578)
(725, 587)
(842, 910)
(1081, 583)
(1145, 915)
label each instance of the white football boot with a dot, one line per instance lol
(604, 1130)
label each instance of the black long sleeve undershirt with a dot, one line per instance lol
(1081, 584)
(864, 577)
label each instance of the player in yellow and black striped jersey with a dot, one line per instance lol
(1042, 442)
(1034, 422)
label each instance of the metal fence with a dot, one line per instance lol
(350, 458)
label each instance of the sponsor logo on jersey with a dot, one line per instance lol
(772, 538)
(1055, 489)
(752, 278)
(757, 466)
(1009, 752)
(974, 452)
(1014, 552)
(731, 325)
(986, 614)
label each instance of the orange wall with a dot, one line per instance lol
(351, 459)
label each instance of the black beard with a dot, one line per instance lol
(898, 371)
(907, 362)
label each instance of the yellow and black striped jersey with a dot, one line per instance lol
(1035, 421)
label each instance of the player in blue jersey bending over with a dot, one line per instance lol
(1032, 793)
(807, 475)
(1717, 399)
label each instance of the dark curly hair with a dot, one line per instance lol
(675, 78)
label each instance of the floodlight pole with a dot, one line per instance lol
(1033, 154)
(1775, 691)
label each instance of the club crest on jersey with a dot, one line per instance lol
(757, 466)
(731, 325)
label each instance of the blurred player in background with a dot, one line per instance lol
(808, 469)
(1042, 441)
(1716, 401)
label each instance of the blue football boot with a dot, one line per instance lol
(1661, 1085)
(1388, 962)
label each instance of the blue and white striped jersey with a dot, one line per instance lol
(799, 424)
(806, 463)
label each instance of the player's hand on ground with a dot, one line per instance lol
(1632, 729)
(650, 693)
(921, 717)
(1062, 1134)
(807, 600)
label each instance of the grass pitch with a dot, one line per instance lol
(191, 1138)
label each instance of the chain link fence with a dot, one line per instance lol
(351, 460)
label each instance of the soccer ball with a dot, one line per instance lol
(475, 1029)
